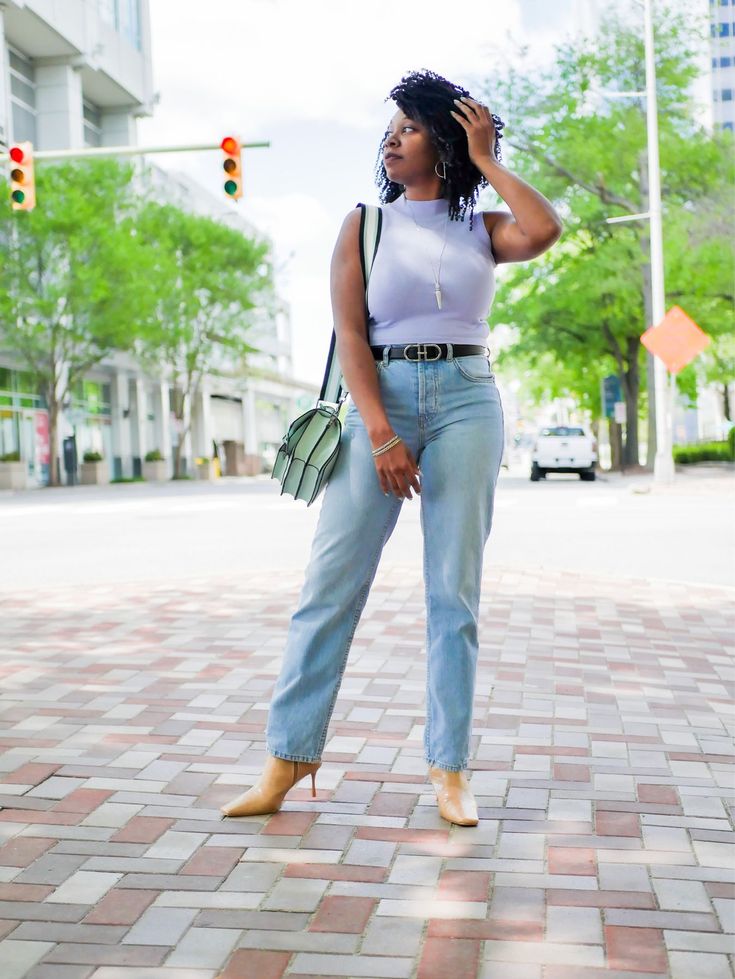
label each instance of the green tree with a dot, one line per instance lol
(72, 276)
(580, 308)
(213, 286)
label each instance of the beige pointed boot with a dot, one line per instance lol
(454, 795)
(279, 775)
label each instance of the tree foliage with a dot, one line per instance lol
(212, 286)
(579, 309)
(73, 276)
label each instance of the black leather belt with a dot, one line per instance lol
(428, 351)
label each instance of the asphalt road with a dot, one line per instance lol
(619, 526)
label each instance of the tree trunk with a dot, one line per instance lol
(615, 437)
(726, 401)
(631, 386)
(53, 425)
(177, 456)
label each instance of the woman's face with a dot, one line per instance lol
(414, 151)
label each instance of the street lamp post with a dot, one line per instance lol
(663, 396)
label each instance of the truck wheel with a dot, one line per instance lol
(535, 472)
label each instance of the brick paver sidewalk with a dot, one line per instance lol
(601, 765)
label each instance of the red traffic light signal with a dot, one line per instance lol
(22, 177)
(232, 166)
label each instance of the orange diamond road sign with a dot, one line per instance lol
(676, 340)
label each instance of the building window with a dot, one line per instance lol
(92, 124)
(128, 13)
(727, 95)
(724, 29)
(124, 16)
(725, 61)
(22, 97)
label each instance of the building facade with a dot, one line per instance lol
(722, 48)
(78, 74)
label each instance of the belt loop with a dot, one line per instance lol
(450, 351)
(386, 355)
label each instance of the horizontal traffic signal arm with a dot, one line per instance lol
(131, 150)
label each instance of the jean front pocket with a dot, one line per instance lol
(474, 367)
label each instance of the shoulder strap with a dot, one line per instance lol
(371, 222)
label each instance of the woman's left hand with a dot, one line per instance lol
(477, 122)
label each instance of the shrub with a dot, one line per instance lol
(703, 452)
(154, 456)
(92, 456)
(10, 457)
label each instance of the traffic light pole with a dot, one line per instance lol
(128, 150)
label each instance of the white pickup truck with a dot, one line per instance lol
(563, 449)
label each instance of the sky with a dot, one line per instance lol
(312, 77)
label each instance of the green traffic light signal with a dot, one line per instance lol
(230, 187)
(18, 196)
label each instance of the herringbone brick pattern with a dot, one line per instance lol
(601, 764)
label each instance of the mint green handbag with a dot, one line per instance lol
(310, 446)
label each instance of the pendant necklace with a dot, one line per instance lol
(437, 287)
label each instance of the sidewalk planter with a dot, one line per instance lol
(206, 469)
(12, 475)
(155, 468)
(94, 471)
(155, 472)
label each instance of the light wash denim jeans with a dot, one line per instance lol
(449, 414)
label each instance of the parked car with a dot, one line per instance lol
(563, 449)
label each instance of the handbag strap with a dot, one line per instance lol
(371, 222)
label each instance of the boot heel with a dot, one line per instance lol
(313, 785)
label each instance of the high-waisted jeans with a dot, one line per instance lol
(449, 414)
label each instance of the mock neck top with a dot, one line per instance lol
(401, 301)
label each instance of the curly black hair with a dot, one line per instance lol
(427, 97)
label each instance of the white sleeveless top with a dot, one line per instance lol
(401, 301)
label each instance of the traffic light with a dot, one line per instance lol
(22, 179)
(232, 167)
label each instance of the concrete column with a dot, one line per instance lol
(203, 429)
(162, 411)
(252, 461)
(139, 413)
(59, 115)
(119, 129)
(121, 462)
(250, 433)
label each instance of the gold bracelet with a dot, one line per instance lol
(387, 445)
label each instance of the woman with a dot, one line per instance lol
(422, 392)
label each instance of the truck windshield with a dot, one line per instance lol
(562, 430)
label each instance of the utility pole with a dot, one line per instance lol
(663, 395)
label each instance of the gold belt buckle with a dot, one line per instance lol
(422, 351)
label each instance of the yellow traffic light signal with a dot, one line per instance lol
(232, 166)
(22, 178)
